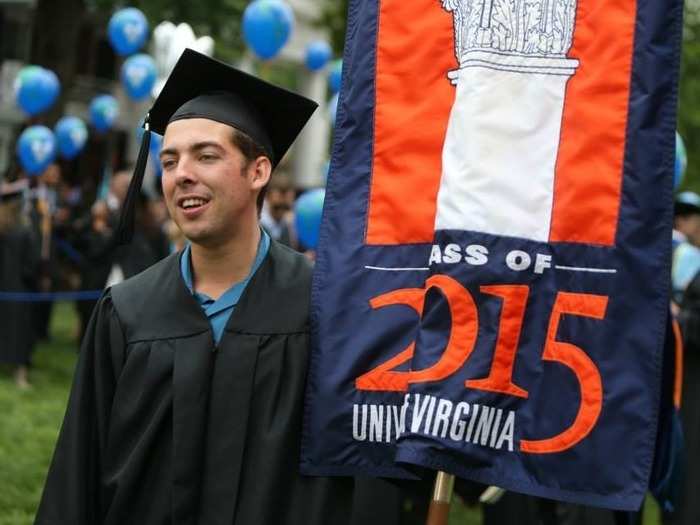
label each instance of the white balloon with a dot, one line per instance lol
(205, 45)
(169, 41)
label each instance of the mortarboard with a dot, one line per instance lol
(686, 203)
(202, 87)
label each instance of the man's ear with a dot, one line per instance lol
(262, 170)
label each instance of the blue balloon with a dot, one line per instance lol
(318, 53)
(71, 136)
(335, 76)
(36, 149)
(333, 109)
(36, 89)
(267, 25)
(681, 162)
(138, 76)
(104, 110)
(127, 31)
(154, 150)
(307, 217)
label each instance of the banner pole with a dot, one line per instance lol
(439, 509)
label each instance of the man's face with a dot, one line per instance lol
(208, 186)
(278, 204)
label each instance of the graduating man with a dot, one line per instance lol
(187, 402)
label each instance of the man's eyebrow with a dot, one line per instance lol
(197, 146)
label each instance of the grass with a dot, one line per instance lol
(30, 420)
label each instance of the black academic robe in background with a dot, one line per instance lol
(165, 427)
(19, 261)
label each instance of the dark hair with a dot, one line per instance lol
(251, 150)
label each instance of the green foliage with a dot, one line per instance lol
(31, 420)
(689, 110)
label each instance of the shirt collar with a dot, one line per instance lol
(229, 297)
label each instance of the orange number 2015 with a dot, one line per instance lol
(463, 334)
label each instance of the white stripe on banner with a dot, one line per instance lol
(382, 269)
(501, 147)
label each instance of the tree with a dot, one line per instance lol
(689, 110)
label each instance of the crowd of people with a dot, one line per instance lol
(53, 244)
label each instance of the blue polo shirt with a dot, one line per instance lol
(219, 311)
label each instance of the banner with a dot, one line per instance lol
(492, 279)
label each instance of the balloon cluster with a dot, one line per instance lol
(267, 25)
(36, 89)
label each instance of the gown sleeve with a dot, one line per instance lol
(73, 493)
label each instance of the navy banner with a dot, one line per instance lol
(492, 279)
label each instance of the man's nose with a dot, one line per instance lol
(184, 174)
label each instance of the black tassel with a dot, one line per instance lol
(127, 220)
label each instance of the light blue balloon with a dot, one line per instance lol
(138, 76)
(127, 31)
(335, 76)
(318, 53)
(104, 110)
(308, 210)
(267, 25)
(71, 136)
(333, 109)
(36, 89)
(681, 162)
(36, 149)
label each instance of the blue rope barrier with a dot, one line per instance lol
(39, 297)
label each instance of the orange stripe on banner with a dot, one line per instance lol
(588, 180)
(678, 377)
(415, 50)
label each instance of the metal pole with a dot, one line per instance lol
(439, 510)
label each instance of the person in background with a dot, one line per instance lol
(276, 216)
(19, 259)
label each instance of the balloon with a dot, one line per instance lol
(138, 76)
(267, 25)
(307, 217)
(36, 89)
(335, 76)
(127, 30)
(318, 53)
(154, 150)
(333, 109)
(104, 110)
(681, 162)
(71, 136)
(36, 149)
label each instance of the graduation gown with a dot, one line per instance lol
(165, 427)
(19, 260)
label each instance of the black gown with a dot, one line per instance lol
(19, 260)
(165, 427)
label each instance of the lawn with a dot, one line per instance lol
(31, 419)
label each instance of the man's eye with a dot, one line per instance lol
(207, 157)
(167, 164)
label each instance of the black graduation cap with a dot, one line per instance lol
(202, 87)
